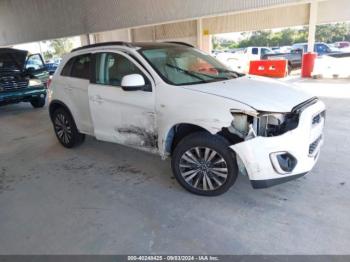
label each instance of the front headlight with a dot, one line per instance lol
(35, 82)
(274, 124)
(248, 124)
(245, 112)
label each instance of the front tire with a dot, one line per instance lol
(65, 129)
(38, 102)
(204, 165)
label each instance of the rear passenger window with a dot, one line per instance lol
(67, 68)
(78, 67)
(255, 51)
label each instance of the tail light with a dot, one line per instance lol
(48, 83)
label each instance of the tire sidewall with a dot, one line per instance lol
(38, 102)
(220, 145)
(75, 133)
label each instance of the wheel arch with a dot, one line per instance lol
(177, 132)
(55, 104)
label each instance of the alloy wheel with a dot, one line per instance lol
(203, 168)
(63, 128)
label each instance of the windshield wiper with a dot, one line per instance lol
(187, 72)
(211, 76)
(222, 70)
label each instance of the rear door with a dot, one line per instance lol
(76, 77)
(255, 54)
(124, 117)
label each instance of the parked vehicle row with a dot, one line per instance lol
(294, 57)
(239, 61)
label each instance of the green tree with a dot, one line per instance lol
(47, 55)
(61, 46)
(329, 33)
(216, 43)
(257, 38)
(301, 35)
(332, 32)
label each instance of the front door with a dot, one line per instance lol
(35, 66)
(124, 117)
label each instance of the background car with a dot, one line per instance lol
(319, 48)
(23, 77)
(51, 67)
(342, 44)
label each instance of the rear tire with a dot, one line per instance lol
(65, 129)
(38, 102)
(204, 164)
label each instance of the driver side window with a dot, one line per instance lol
(320, 48)
(35, 62)
(111, 68)
(265, 51)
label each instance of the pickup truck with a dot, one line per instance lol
(240, 60)
(23, 77)
(295, 56)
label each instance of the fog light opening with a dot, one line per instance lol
(283, 162)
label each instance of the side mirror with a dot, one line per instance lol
(133, 82)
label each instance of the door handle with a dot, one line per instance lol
(69, 89)
(97, 99)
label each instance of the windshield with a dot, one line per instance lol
(181, 65)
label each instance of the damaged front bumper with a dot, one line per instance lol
(273, 160)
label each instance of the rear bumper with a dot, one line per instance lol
(256, 154)
(22, 95)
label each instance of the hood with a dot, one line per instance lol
(260, 93)
(12, 59)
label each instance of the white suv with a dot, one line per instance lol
(174, 100)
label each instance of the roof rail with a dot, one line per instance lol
(102, 44)
(179, 43)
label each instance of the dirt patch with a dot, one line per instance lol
(5, 181)
(128, 174)
(122, 169)
(128, 169)
(74, 164)
(19, 138)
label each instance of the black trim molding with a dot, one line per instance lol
(258, 184)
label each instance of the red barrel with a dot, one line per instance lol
(308, 63)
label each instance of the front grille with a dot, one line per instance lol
(10, 83)
(313, 146)
(317, 122)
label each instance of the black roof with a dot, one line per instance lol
(136, 44)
